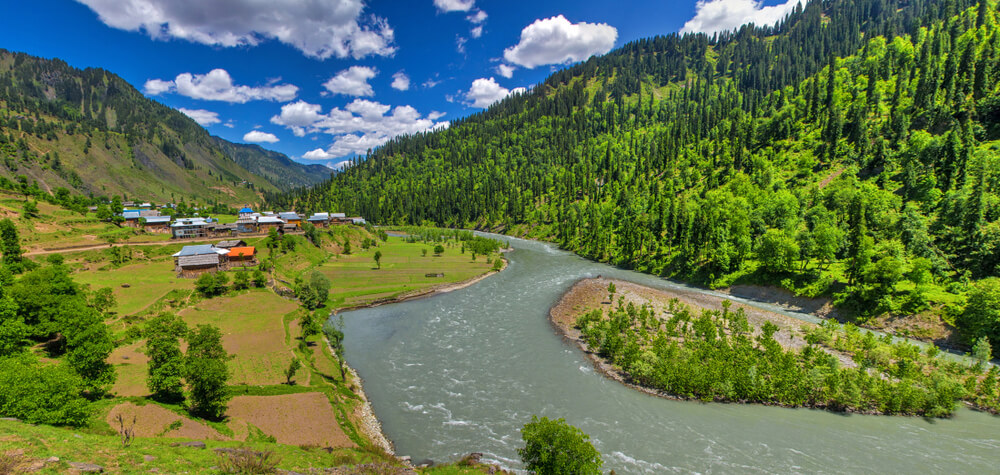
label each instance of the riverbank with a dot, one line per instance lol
(681, 352)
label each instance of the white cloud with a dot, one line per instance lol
(400, 81)
(259, 137)
(360, 125)
(318, 28)
(431, 82)
(435, 115)
(352, 81)
(505, 70)
(217, 85)
(460, 44)
(723, 15)
(155, 87)
(476, 31)
(203, 117)
(557, 41)
(454, 5)
(478, 17)
(484, 92)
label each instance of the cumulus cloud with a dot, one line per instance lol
(484, 92)
(203, 117)
(359, 126)
(557, 41)
(400, 81)
(478, 17)
(454, 5)
(257, 136)
(505, 70)
(217, 85)
(476, 31)
(155, 87)
(435, 115)
(723, 15)
(352, 81)
(318, 28)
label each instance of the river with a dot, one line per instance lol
(462, 372)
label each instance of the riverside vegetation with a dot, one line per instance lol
(849, 152)
(719, 356)
(112, 336)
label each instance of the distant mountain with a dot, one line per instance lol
(275, 167)
(92, 132)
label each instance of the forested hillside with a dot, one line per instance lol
(93, 133)
(850, 151)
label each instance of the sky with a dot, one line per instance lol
(325, 80)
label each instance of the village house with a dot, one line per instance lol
(185, 228)
(156, 224)
(290, 217)
(192, 261)
(246, 212)
(339, 218)
(242, 256)
(266, 223)
(320, 220)
(358, 221)
(246, 224)
(230, 244)
(222, 230)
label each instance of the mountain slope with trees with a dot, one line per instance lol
(91, 132)
(849, 151)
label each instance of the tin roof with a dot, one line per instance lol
(289, 215)
(199, 249)
(230, 244)
(246, 210)
(269, 220)
(157, 219)
(198, 261)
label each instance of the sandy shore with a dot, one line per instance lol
(590, 294)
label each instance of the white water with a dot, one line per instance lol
(463, 371)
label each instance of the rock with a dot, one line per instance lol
(195, 444)
(84, 467)
(148, 458)
(78, 436)
(52, 460)
(405, 458)
(11, 419)
(424, 463)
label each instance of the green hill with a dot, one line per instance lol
(848, 152)
(91, 132)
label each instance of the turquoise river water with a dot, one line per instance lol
(463, 371)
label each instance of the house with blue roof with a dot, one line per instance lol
(245, 212)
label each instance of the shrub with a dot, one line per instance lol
(247, 461)
(555, 447)
(41, 394)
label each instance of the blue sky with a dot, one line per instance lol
(320, 80)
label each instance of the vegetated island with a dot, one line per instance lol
(685, 345)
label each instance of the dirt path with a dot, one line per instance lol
(106, 246)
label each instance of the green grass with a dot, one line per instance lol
(148, 281)
(356, 279)
(42, 442)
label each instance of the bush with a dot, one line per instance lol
(981, 317)
(211, 284)
(41, 394)
(247, 461)
(555, 447)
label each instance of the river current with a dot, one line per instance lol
(462, 372)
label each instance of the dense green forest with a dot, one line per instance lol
(93, 133)
(849, 151)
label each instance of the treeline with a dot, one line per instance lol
(719, 356)
(849, 151)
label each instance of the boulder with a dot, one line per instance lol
(84, 467)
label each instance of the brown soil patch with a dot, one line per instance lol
(295, 419)
(154, 421)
